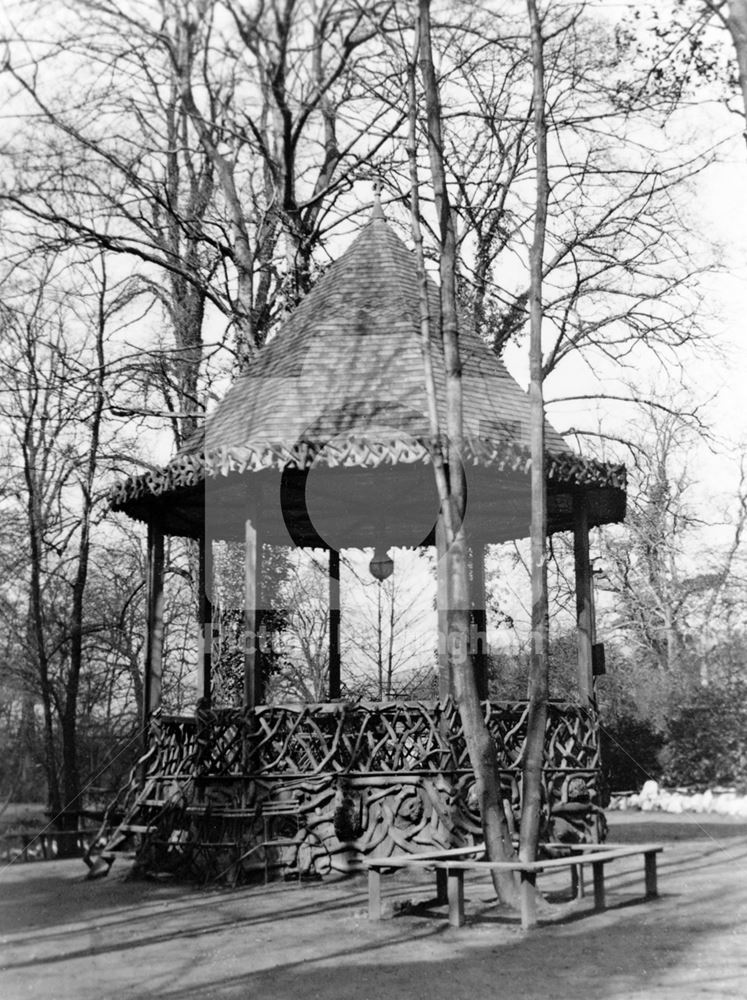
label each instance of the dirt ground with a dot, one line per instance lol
(63, 937)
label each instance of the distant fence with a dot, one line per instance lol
(45, 845)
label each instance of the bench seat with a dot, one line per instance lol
(450, 866)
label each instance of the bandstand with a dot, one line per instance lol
(325, 444)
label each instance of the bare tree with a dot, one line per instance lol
(732, 15)
(539, 664)
(686, 57)
(303, 662)
(621, 270)
(389, 650)
(118, 170)
(674, 607)
(449, 470)
(736, 22)
(212, 150)
(52, 405)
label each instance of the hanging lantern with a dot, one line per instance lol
(382, 565)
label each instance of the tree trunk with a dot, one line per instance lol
(69, 720)
(186, 302)
(452, 494)
(538, 675)
(737, 24)
(390, 647)
(188, 310)
(241, 248)
(37, 622)
(379, 641)
(26, 783)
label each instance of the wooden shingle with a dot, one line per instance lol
(342, 384)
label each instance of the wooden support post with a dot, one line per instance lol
(205, 653)
(455, 892)
(598, 869)
(252, 671)
(649, 860)
(584, 599)
(374, 894)
(334, 625)
(154, 641)
(528, 899)
(577, 881)
(479, 620)
(442, 894)
(445, 680)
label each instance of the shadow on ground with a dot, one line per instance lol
(63, 937)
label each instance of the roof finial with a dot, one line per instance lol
(377, 211)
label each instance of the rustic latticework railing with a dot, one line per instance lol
(364, 738)
(229, 791)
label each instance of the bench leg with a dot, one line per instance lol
(651, 887)
(528, 899)
(577, 882)
(598, 867)
(442, 894)
(455, 892)
(374, 894)
(266, 832)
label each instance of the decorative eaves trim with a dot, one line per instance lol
(189, 470)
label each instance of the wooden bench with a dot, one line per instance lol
(450, 867)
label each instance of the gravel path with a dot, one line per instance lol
(63, 937)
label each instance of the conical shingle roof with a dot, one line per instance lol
(348, 361)
(342, 384)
